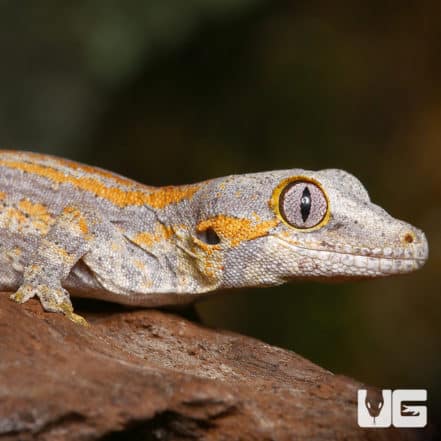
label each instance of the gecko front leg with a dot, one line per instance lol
(67, 241)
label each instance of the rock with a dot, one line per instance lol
(147, 374)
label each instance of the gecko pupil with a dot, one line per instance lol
(305, 204)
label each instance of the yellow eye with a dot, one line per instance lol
(301, 203)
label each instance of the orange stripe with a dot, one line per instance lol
(159, 198)
(24, 156)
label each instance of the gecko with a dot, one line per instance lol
(71, 229)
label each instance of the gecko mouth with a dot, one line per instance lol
(357, 261)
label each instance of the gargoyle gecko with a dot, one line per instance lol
(70, 228)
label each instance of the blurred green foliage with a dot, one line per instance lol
(172, 92)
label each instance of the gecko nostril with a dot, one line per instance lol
(408, 238)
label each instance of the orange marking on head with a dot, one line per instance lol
(157, 198)
(237, 230)
(2, 195)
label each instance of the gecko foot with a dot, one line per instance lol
(52, 300)
(23, 294)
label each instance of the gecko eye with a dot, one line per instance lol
(303, 204)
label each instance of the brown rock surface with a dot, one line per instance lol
(153, 375)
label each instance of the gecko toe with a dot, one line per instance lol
(67, 309)
(78, 319)
(23, 294)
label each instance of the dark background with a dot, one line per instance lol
(171, 92)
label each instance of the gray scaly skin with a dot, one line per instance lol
(70, 228)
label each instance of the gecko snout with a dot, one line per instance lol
(415, 244)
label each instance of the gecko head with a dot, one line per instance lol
(268, 228)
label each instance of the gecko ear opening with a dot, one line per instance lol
(209, 236)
